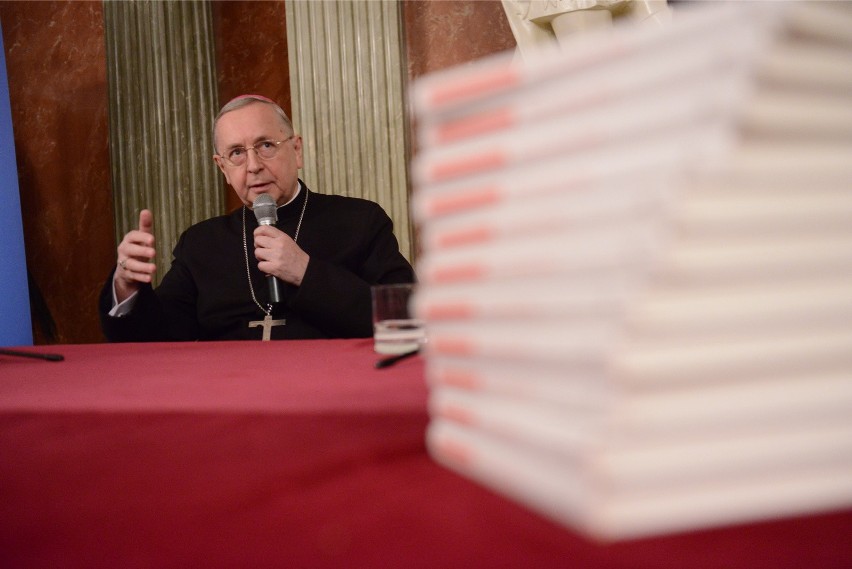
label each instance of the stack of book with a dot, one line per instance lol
(636, 270)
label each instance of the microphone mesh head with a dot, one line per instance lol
(264, 210)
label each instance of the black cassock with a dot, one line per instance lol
(206, 296)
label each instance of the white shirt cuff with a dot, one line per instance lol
(123, 308)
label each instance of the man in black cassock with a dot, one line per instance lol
(326, 250)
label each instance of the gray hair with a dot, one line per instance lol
(246, 100)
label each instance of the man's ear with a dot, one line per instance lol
(297, 147)
(218, 160)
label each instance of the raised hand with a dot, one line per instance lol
(135, 252)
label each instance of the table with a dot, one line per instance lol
(286, 454)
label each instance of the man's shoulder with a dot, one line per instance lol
(344, 201)
(345, 204)
(213, 225)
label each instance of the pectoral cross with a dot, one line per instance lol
(267, 324)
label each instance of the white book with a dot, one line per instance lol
(609, 174)
(646, 114)
(566, 212)
(795, 76)
(725, 209)
(800, 65)
(613, 250)
(756, 258)
(642, 309)
(694, 312)
(649, 360)
(805, 116)
(525, 298)
(708, 156)
(640, 359)
(690, 205)
(666, 423)
(583, 341)
(827, 23)
(786, 161)
(643, 248)
(572, 494)
(591, 387)
(569, 387)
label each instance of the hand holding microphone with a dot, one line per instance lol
(278, 254)
(266, 213)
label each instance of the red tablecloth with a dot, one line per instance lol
(286, 454)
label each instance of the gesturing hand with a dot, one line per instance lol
(134, 255)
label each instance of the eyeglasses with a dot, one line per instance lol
(265, 149)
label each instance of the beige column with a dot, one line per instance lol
(162, 89)
(347, 87)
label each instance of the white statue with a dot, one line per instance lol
(544, 23)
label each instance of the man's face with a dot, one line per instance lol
(276, 176)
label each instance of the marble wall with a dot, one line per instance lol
(251, 55)
(58, 90)
(442, 34)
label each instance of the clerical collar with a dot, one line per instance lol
(295, 196)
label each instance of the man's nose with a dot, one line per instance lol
(253, 161)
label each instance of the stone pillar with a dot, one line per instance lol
(347, 83)
(162, 91)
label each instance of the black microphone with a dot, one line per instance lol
(267, 214)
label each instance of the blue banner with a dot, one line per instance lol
(15, 324)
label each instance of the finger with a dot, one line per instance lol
(146, 221)
(137, 237)
(140, 251)
(137, 244)
(269, 231)
(263, 242)
(262, 253)
(144, 271)
(135, 256)
(139, 271)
